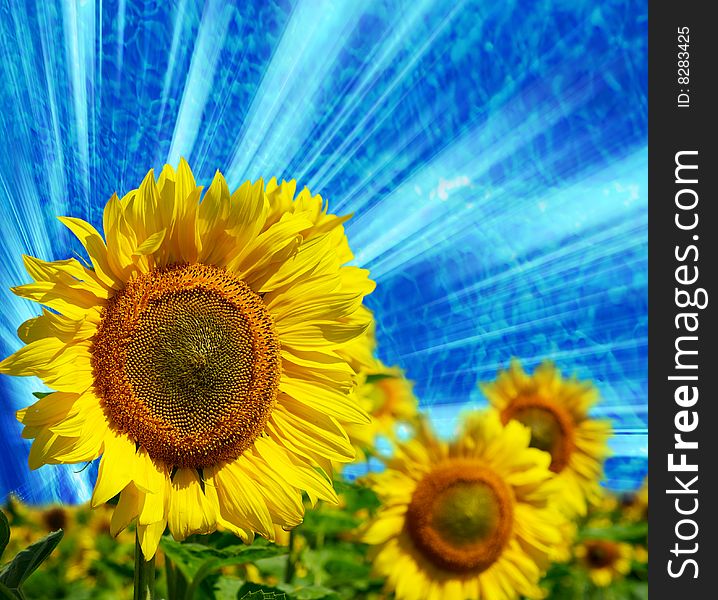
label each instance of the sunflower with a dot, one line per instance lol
(605, 560)
(386, 394)
(471, 519)
(556, 411)
(198, 355)
(635, 507)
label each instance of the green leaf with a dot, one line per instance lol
(356, 497)
(7, 594)
(255, 591)
(196, 561)
(41, 395)
(226, 587)
(343, 571)
(310, 592)
(636, 590)
(4, 532)
(622, 533)
(24, 564)
(329, 521)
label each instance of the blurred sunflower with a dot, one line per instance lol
(386, 394)
(635, 507)
(605, 560)
(466, 520)
(55, 517)
(198, 356)
(556, 411)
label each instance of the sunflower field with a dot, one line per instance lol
(213, 352)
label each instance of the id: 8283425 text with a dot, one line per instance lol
(683, 64)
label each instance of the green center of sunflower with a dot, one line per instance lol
(461, 516)
(186, 362)
(552, 428)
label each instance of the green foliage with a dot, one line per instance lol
(255, 591)
(325, 559)
(6, 593)
(621, 532)
(13, 574)
(310, 592)
(197, 562)
(4, 532)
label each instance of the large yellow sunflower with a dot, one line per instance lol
(556, 411)
(466, 520)
(198, 355)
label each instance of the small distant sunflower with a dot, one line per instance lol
(556, 411)
(198, 355)
(387, 396)
(55, 517)
(605, 560)
(470, 520)
(635, 507)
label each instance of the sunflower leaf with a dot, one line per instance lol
(310, 592)
(4, 532)
(7, 594)
(196, 561)
(41, 395)
(255, 591)
(24, 564)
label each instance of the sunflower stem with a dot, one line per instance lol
(171, 579)
(291, 559)
(144, 574)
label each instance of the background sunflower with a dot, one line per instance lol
(466, 520)
(556, 410)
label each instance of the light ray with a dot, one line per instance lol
(493, 155)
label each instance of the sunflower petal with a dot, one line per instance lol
(189, 510)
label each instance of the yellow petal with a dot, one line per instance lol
(50, 409)
(85, 407)
(150, 537)
(68, 272)
(332, 401)
(320, 435)
(95, 247)
(115, 470)
(319, 335)
(240, 501)
(294, 471)
(50, 324)
(126, 510)
(189, 510)
(33, 358)
(69, 301)
(121, 239)
(152, 244)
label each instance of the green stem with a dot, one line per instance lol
(171, 580)
(291, 559)
(144, 574)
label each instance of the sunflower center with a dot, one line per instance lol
(552, 428)
(461, 516)
(600, 554)
(186, 362)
